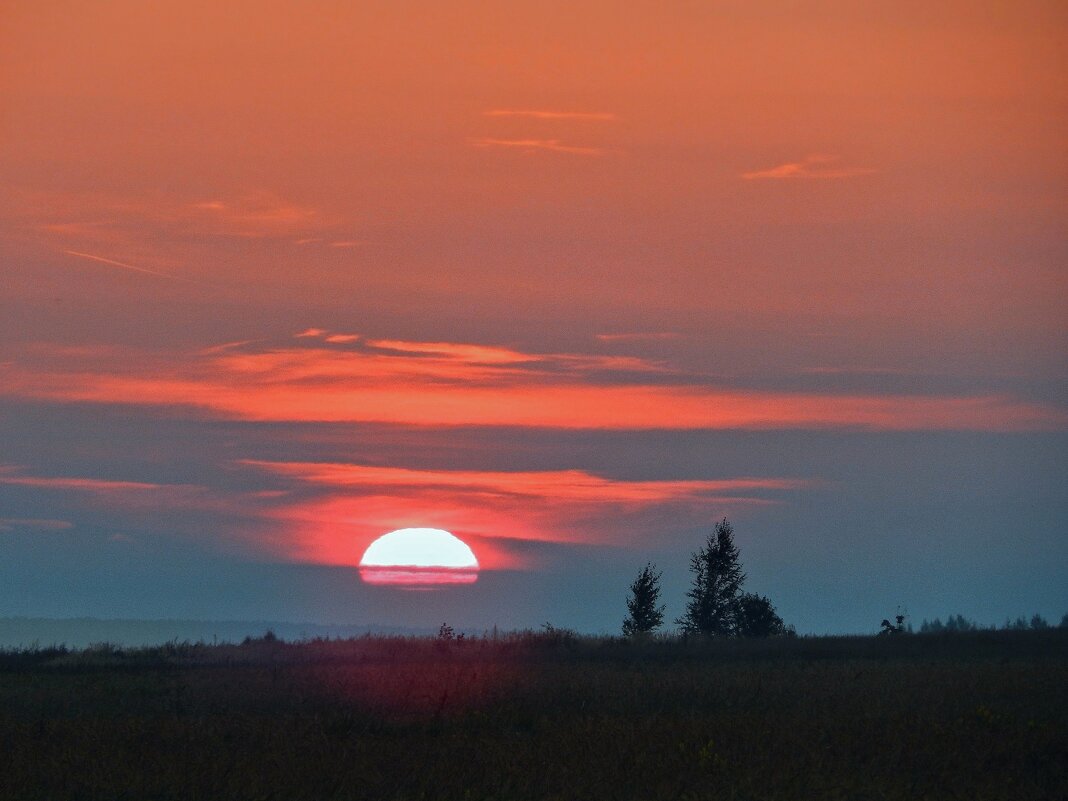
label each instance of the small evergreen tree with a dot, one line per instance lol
(717, 582)
(644, 615)
(1038, 623)
(757, 617)
(960, 623)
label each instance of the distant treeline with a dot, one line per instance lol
(22, 632)
(547, 644)
(955, 623)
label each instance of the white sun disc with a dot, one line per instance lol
(419, 547)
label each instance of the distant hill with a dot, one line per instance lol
(21, 632)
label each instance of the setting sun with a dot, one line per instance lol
(419, 558)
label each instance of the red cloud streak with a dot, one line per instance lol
(571, 486)
(449, 384)
(486, 509)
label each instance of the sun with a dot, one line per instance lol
(419, 558)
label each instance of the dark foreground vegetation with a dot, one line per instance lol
(972, 715)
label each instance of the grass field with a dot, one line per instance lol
(542, 716)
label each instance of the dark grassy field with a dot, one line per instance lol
(972, 716)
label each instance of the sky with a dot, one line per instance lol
(572, 281)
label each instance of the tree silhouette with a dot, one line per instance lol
(717, 582)
(886, 628)
(757, 617)
(645, 616)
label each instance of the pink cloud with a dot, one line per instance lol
(533, 145)
(434, 383)
(471, 354)
(120, 493)
(258, 214)
(651, 336)
(571, 486)
(486, 508)
(10, 475)
(811, 167)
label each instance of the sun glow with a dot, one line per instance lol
(419, 558)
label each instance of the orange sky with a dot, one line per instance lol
(855, 161)
(838, 217)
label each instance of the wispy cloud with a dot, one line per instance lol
(572, 486)
(534, 145)
(117, 493)
(88, 233)
(130, 495)
(80, 484)
(460, 384)
(260, 214)
(639, 336)
(10, 474)
(472, 354)
(33, 524)
(225, 346)
(815, 166)
(90, 223)
(541, 114)
(858, 370)
(352, 503)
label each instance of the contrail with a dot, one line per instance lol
(114, 263)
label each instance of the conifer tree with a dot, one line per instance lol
(758, 618)
(645, 616)
(713, 608)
